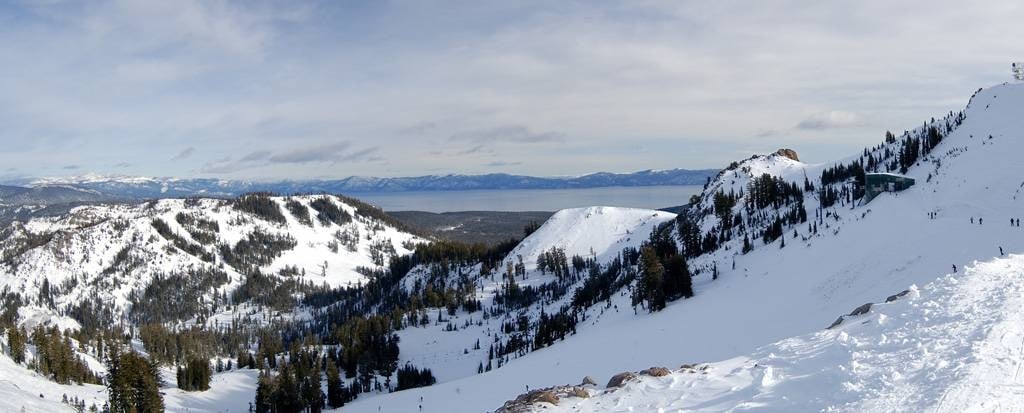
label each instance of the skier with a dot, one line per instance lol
(1000, 251)
(954, 268)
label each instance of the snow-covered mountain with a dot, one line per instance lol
(46, 194)
(130, 187)
(188, 254)
(968, 188)
(778, 249)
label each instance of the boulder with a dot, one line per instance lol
(656, 372)
(525, 402)
(543, 396)
(580, 392)
(895, 297)
(588, 381)
(863, 309)
(619, 379)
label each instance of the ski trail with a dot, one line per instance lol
(992, 379)
(955, 345)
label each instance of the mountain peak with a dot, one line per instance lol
(788, 153)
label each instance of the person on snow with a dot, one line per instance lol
(954, 268)
(1000, 251)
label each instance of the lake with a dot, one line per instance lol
(652, 197)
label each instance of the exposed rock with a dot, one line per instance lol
(588, 381)
(580, 392)
(619, 379)
(863, 309)
(523, 403)
(552, 395)
(789, 153)
(656, 372)
(892, 298)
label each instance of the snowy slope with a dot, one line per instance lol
(861, 254)
(25, 390)
(953, 345)
(604, 230)
(599, 232)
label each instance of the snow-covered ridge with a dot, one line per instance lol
(858, 253)
(110, 253)
(132, 187)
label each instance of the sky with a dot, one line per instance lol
(298, 90)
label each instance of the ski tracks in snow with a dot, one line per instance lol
(995, 382)
(955, 345)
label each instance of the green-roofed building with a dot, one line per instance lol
(876, 183)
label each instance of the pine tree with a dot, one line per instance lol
(335, 387)
(286, 395)
(652, 288)
(677, 278)
(133, 384)
(16, 342)
(264, 392)
(195, 375)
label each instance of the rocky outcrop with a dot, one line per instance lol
(550, 395)
(656, 372)
(897, 296)
(619, 379)
(865, 308)
(788, 153)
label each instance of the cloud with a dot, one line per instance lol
(328, 153)
(223, 166)
(499, 164)
(834, 119)
(229, 78)
(256, 156)
(72, 167)
(508, 134)
(184, 154)
(335, 152)
(476, 149)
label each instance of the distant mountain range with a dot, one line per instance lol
(91, 188)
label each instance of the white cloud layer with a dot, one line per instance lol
(833, 119)
(272, 89)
